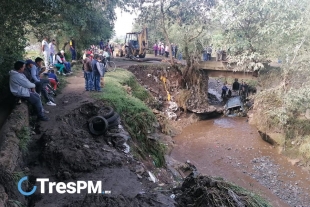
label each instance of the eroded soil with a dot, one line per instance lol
(232, 149)
(63, 150)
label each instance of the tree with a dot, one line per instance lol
(86, 20)
(256, 31)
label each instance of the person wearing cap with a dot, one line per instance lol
(40, 84)
(20, 86)
(67, 64)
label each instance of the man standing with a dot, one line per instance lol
(101, 44)
(155, 48)
(236, 86)
(88, 73)
(172, 49)
(46, 52)
(209, 52)
(96, 72)
(224, 91)
(51, 46)
(176, 51)
(20, 86)
(219, 54)
(72, 49)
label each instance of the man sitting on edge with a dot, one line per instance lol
(20, 86)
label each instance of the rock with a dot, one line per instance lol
(172, 115)
(67, 175)
(152, 177)
(139, 176)
(154, 136)
(86, 146)
(155, 111)
(140, 169)
(3, 195)
(173, 106)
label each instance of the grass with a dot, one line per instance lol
(137, 117)
(17, 176)
(304, 148)
(24, 136)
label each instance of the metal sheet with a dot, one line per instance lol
(234, 102)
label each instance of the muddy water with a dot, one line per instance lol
(232, 149)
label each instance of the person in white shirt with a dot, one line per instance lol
(167, 50)
(46, 52)
(58, 63)
(65, 62)
(51, 47)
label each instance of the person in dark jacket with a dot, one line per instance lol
(52, 77)
(96, 72)
(224, 90)
(236, 85)
(88, 73)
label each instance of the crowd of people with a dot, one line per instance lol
(94, 65)
(163, 50)
(241, 89)
(29, 80)
(207, 54)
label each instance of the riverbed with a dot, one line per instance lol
(232, 149)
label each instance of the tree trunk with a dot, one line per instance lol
(163, 16)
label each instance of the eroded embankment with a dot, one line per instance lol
(63, 150)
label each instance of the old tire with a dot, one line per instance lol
(106, 112)
(114, 124)
(113, 118)
(98, 125)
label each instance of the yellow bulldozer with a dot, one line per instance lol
(135, 45)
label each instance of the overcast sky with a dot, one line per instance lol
(123, 23)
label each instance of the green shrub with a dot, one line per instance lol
(24, 135)
(137, 117)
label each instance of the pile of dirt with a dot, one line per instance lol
(69, 148)
(67, 152)
(140, 200)
(198, 190)
(149, 76)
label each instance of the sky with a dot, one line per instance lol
(123, 23)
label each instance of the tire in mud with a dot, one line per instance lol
(113, 118)
(98, 125)
(106, 112)
(114, 124)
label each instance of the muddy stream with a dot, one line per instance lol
(232, 149)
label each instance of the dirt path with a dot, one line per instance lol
(64, 151)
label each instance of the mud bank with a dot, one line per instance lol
(13, 136)
(68, 152)
(63, 150)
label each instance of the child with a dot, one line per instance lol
(52, 77)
